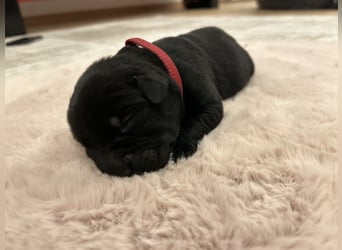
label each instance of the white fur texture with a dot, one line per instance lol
(263, 179)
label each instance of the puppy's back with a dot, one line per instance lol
(231, 63)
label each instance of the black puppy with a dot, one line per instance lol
(130, 115)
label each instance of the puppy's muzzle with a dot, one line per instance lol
(141, 162)
(113, 163)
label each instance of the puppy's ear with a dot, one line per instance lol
(154, 90)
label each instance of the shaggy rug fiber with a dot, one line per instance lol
(263, 179)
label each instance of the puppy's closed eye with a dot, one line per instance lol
(127, 119)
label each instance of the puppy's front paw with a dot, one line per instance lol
(184, 148)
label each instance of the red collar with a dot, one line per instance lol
(167, 61)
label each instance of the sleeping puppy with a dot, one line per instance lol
(131, 116)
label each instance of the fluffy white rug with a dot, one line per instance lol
(264, 179)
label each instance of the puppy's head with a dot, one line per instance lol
(127, 117)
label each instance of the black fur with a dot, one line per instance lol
(129, 115)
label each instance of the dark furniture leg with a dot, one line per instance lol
(195, 4)
(14, 24)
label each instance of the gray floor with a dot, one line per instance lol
(88, 43)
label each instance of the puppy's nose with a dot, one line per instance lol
(150, 155)
(128, 158)
(146, 161)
